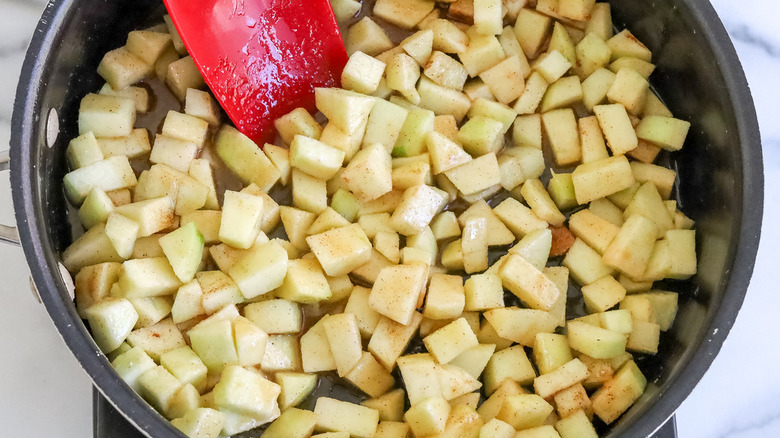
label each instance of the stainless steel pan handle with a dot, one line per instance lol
(8, 234)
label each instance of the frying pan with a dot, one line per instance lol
(699, 75)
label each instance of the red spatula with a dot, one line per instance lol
(261, 58)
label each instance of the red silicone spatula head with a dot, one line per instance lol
(261, 58)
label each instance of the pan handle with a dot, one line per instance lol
(8, 234)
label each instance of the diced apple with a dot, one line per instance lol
(308, 192)
(490, 407)
(532, 30)
(403, 13)
(447, 37)
(445, 153)
(528, 283)
(592, 54)
(282, 353)
(568, 374)
(448, 342)
(412, 138)
(139, 96)
(341, 250)
(520, 325)
(200, 104)
(396, 291)
(343, 335)
(597, 232)
(488, 17)
(121, 68)
(91, 248)
(595, 341)
(390, 339)
(585, 263)
(315, 350)
(186, 366)
(630, 251)
(109, 174)
(367, 37)
(147, 277)
(131, 364)
(295, 387)
(247, 393)
(564, 92)
(392, 429)
(135, 145)
(188, 302)
(83, 151)
(518, 218)
(626, 44)
(603, 294)
(666, 132)
(476, 175)
(122, 232)
(534, 248)
(293, 423)
(420, 374)
(419, 46)
(315, 157)
(384, 124)
(245, 159)
(184, 250)
(390, 405)
(601, 178)
(617, 127)
(442, 100)
(497, 429)
(327, 220)
(347, 205)
(551, 351)
(619, 392)
(157, 339)
(428, 417)
(483, 52)
(305, 282)
(370, 376)
(158, 386)
(417, 208)
(181, 75)
(402, 75)
(261, 270)
(481, 135)
(505, 79)
(576, 424)
(629, 89)
(445, 71)
(201, 423)
(524, 411)
(336, 415)
(111, 321)
(445, 298)
(368, 174)
(362, 73)
(185, 127)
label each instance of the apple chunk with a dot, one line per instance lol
(111, 322)
(396, 291)
(341, 250)
(451, 340)
(368, 175)
(528, 283)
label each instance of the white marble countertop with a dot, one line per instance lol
(45, 392)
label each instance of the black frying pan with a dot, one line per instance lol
(698, 74)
